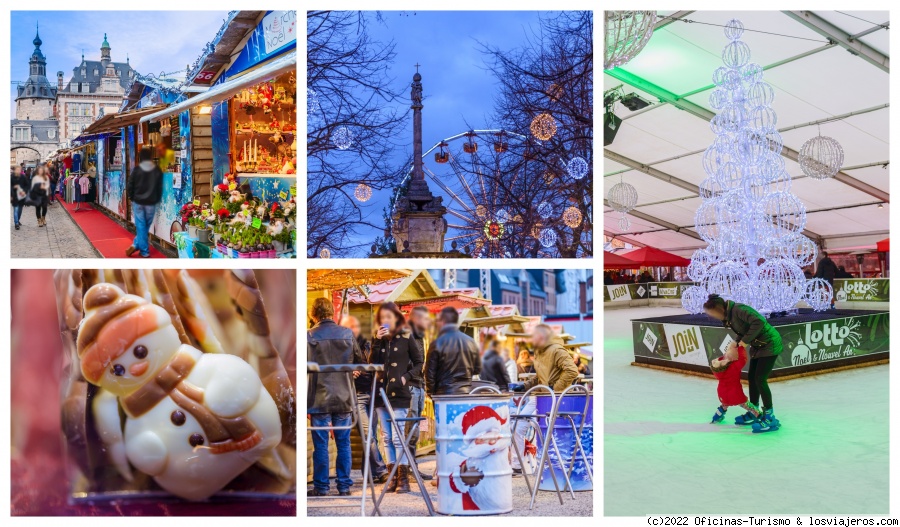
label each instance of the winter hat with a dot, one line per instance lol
(113, 321)
(480, 419)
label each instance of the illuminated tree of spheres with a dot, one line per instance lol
(748, 215)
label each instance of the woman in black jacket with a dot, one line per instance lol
(40, 194)
(395, 348)
(763, 344)
(19, 187)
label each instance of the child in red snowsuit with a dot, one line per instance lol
(727, 370)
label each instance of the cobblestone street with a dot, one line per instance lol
(61, 238)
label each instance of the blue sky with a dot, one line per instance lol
(458, 89)
(155, 41)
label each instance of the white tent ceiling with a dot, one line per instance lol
(815, 77)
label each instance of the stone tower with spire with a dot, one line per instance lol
(36, 97)
(418, 220)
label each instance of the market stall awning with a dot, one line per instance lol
(337, 279)
(614, 261)
(574, 345)
(489, 322)
(884, 245)
(652, 257)
(227, 89)
(437, 303)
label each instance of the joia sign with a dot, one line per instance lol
(686, 344)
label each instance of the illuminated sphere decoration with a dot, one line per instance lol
(821, 157)
(818, 294)
(572, 217)
(493, 230)
(502, 216)
(325, 253)
(627, 32)
(577, 168)
(480, 211)
(312, 101)
(624, 223)
(748, 216)
(363, 192)
(547, 238)
(622, 197)
(543, 127)
(342, 138)
(544, 210)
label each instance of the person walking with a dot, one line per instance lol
(363, 384)
(395, 349)
(145, 190)
(755, 334)
(827, 270)
(493, 368)
(19, 187)
(40, 194)
(328, 343)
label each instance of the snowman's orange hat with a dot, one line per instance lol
(113, 321)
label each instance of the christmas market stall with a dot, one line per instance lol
(237, 128)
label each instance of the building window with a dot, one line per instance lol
(80, 109)
(20, 134)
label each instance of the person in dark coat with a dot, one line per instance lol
(453, 358)
(329, 343)
(363, 385)
(395, 348)
(19, 187)
(40, 194)
(144, 189)
(827, 270)
(763, 341)
(842, 273)
(420, 324)
(493, 368)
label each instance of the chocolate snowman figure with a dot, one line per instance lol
(194, 421)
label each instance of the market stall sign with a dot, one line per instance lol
(279, 29)
(293, 190)
(196, 202)
(257, 223)
(282, 195)
(205, 77)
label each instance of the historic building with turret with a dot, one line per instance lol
(34, 130)
(96, 88)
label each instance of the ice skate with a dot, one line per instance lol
(766, 423)
(719, 416)
(746, 419)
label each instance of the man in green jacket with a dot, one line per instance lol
(552, 363)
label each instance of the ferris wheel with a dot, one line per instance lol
(501, 201)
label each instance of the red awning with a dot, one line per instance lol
(614, 261)
(651, 257)
(884, 246)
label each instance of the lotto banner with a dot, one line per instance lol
(806, 345)
(862, 290)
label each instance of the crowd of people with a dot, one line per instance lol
(414, 368)
(42, 185)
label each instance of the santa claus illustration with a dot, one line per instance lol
(483, 478)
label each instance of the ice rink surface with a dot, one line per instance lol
(663, 457)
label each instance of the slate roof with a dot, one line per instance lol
(39, 130)
(94, 80)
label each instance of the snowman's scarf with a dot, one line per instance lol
(224, 434)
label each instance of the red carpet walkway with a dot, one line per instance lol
(108, 237)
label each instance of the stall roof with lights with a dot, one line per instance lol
(830, 73)
(338, 279)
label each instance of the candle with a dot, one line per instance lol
(244, 151)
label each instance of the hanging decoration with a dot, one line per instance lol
(312, 101)
(502, 216)
(325, 253)
(622, 198)
(363, 192)
(493, 230)
(577, 168)
(818, 294)
(748, 216)
(543, 127)
(627, 32)
(572, 217)
(547, 238)
(342, 138)
(821, 157)
(624, 224)
(544, 209)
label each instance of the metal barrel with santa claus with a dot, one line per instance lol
(572, 404)
(472, 433)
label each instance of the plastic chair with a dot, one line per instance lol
(545, 444)
(570, 418)
(396, 422)
(312, 370)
